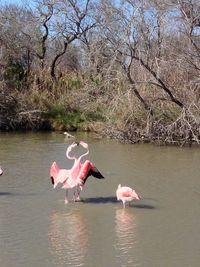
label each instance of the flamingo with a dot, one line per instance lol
(1, 171)
(126, 194)
(77, 175)
(80, 172)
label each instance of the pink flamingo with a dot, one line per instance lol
(80, 172)
(126, 194)
(77, 175)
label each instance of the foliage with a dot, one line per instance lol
(65, 119)
(132, 66)
(14, 74)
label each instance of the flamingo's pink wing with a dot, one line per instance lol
(126, 194)
(88, 169)
(125, 191)
(54, 172)
(58, 175)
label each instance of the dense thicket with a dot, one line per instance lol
(129, 69)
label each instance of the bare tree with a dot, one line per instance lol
(190, 17)
(13, 27)
(45, 13)
(137, 38)
(70, 23)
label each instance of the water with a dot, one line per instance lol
(38, 229)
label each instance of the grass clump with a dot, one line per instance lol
(62, 118)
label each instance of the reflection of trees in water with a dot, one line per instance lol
(68, 238)
(126, 232)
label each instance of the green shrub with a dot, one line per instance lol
(66, 119)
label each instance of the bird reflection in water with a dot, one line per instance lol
(68, 238)
(126, 233)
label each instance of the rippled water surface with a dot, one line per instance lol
(38, 229)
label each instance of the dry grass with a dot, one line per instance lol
(111, 108)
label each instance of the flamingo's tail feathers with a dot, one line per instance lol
(135, 195)
(139, 197)
(117, 195)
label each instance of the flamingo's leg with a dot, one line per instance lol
(74, 194)
(77, 194)
(66, 196)
(124, 204)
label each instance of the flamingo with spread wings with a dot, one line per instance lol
(77, 175)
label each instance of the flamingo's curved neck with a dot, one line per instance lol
(86, 153)
(76, 160)
(70, 157)
(75, 163)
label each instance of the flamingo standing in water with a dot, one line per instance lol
(126, 194)
(77, 175)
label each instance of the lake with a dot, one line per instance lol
(38, 229)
